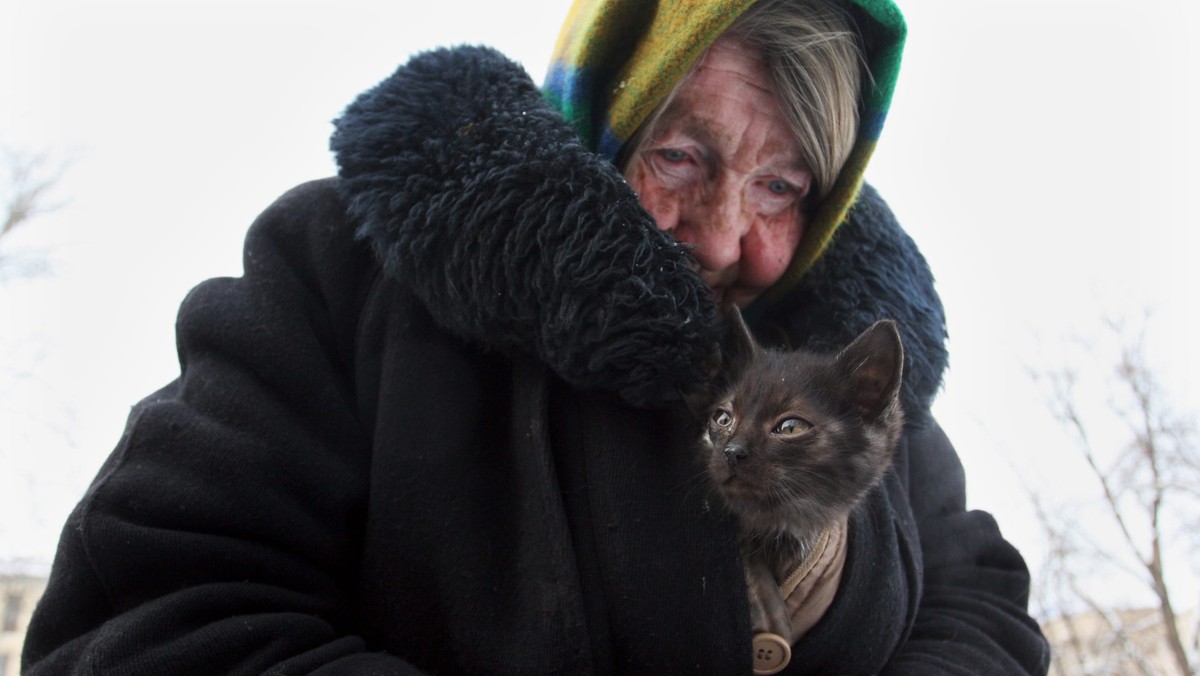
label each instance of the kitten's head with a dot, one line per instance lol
(797, 438)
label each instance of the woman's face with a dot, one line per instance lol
(722, 171)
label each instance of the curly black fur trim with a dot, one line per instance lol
(477, 195)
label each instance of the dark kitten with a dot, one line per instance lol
(796, 440)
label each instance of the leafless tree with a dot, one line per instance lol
(26, 180)
(1148, 494)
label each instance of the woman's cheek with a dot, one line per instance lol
(767, 254)
(662, 203)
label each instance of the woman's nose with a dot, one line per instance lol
(716, 227)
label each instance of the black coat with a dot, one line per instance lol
(434, 427)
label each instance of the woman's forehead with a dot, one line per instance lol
(728, 101)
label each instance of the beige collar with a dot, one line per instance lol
(810, 586)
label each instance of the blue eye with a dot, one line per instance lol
(673, 155)
(779, 187)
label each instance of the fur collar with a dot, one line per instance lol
(477, 195)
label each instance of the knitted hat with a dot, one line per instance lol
(615, 60)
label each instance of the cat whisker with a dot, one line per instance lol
(699, 480)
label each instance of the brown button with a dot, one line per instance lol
(771, 653)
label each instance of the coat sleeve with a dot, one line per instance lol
(971, 618)
(221, 536)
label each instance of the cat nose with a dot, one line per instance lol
(733, 454)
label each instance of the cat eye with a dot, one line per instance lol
(792, 427)
(722, 418)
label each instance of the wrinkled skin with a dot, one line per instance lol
(721, 170)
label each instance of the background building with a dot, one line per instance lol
(18, 596)
(1116, 642)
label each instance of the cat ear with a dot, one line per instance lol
(700, 398)
(725, 364)
(739, 344)
(874, 364)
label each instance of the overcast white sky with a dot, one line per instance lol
(1041, 152)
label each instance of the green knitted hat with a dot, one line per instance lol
(615, 60)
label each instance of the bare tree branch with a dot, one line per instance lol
(1156, 472)
(28, 181)
(1068, 413)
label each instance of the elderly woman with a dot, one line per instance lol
(437, 425)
